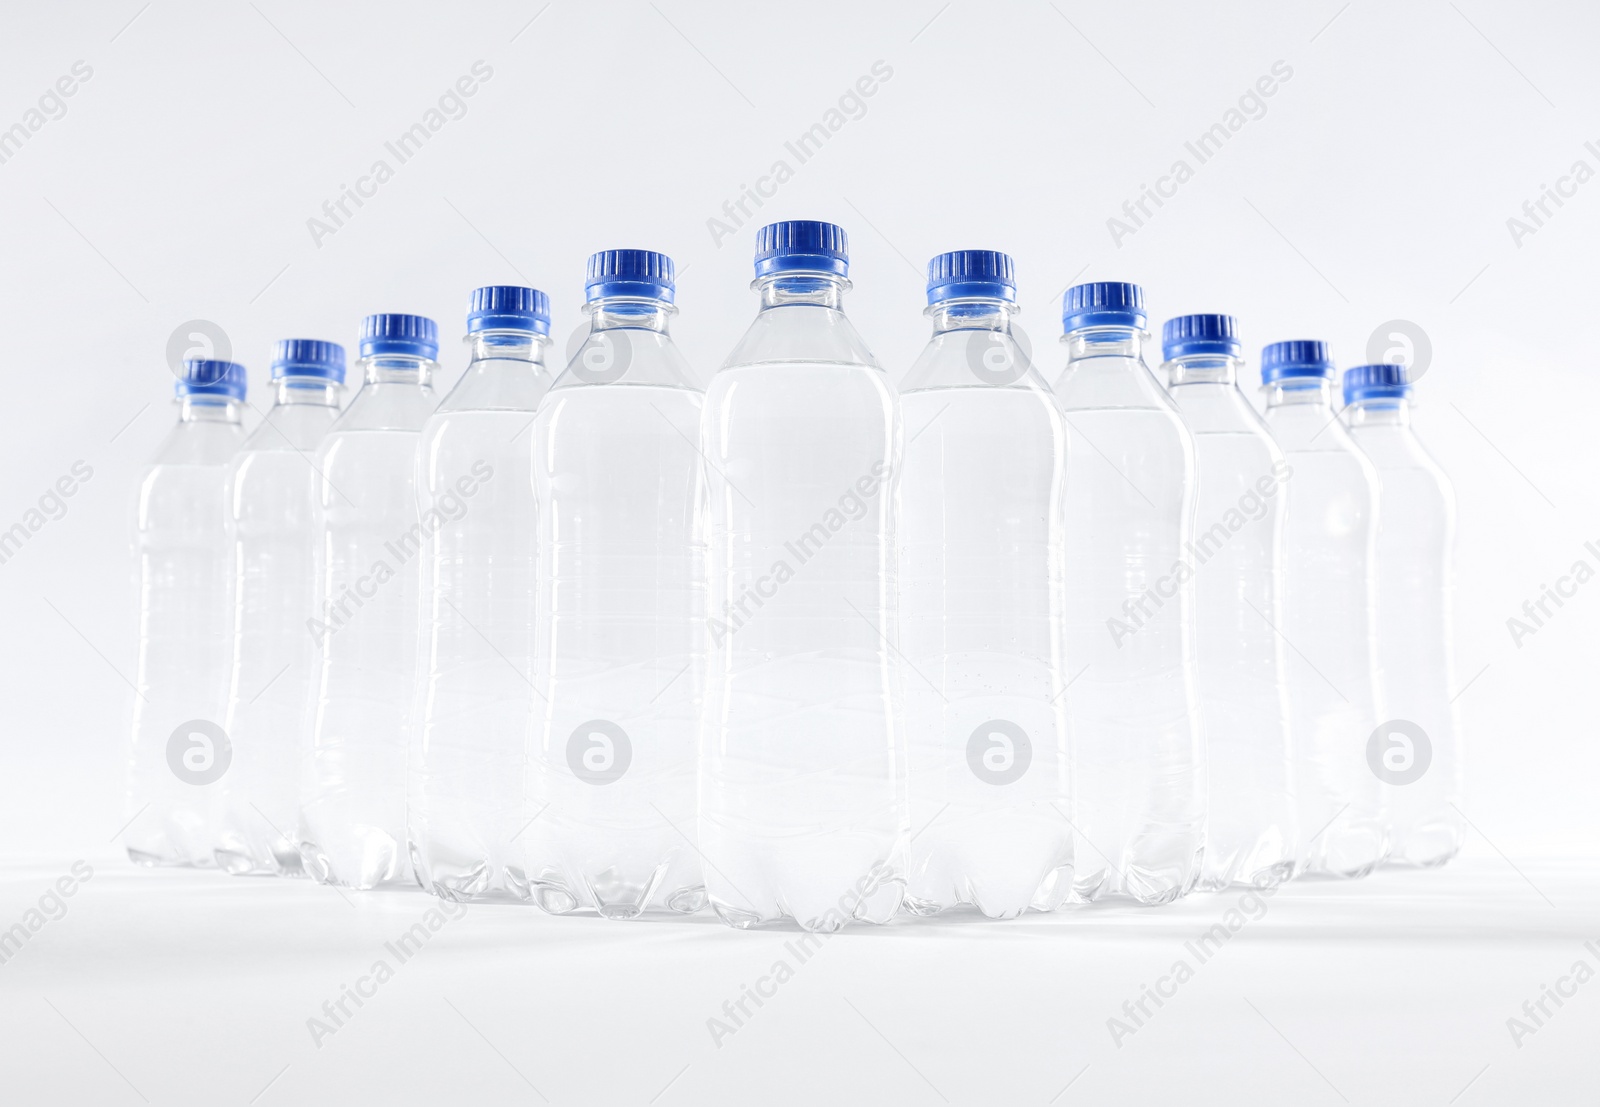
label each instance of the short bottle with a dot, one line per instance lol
(802, 749)
(1252, 822)
(621, 623)
(1330, 531)
(180, 749)
(1419, 755)
(1138, 755)
(353, 787)
(981, 600)
(271, 497)
(468, 797)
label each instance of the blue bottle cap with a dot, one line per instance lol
(641, 273)
(1102, 304)
(1383, 381)
(204, 377)
(965, 274)
(508, 307)
(1305, 358)
(1200, 334)
(806, 245)
(308, 357)
(416, 335)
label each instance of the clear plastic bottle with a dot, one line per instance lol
(981, 606)
(179, 749)
(802, 758)
(1419, 755)
(621, 640)
(353, 787)
(271, 497)
(1252, 823)
(1138, 756)
(468, 765)
(1329, 594)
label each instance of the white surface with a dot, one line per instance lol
(196, 988)
(1376, 186)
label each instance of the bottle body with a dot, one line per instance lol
(981, 608)
(620, 639)
(1138, 762)
(1252, 833)
(468, 766)
(1416, 533)
(179, 749)
(1328, 625)
(353, 784)
(270, 502)
(802, 782)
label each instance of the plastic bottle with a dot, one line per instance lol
(802, 759)
(179, 749)
(1329, 593)
(621, 635)
(469, 760)
(1252, 822)
(1418, 755)
(981, 606)
(353, 791)
(271, 498)
(1138, 755)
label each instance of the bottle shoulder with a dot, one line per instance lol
(387, 406)
(800, 333)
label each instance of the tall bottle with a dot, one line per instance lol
(353, 787)
(1328, 612)
(469, 758)
(271, 498)
(621, 633)
(802, 758)
(1252, 823)
(179, 749)
(1419, 755)
(1138, 755)
(981, 606)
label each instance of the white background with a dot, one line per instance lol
(1376, 186)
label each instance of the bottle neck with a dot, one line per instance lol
(209, 409)
(523, 347)
(1203, 369)
(802, 287)
(629, 313)
(1300, 392)
(1375, 412)
(306, 391)
(1104, 342)
(971, 315)
(397, 369)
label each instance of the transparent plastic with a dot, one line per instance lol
(621, 629)
(1252, 822)
(802, 784)
(981, 609)
(353, 783)
(1330, 531)
(271, 497)
(1138, 756)
(1416, 538)
(177, 757)
(468, 767)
